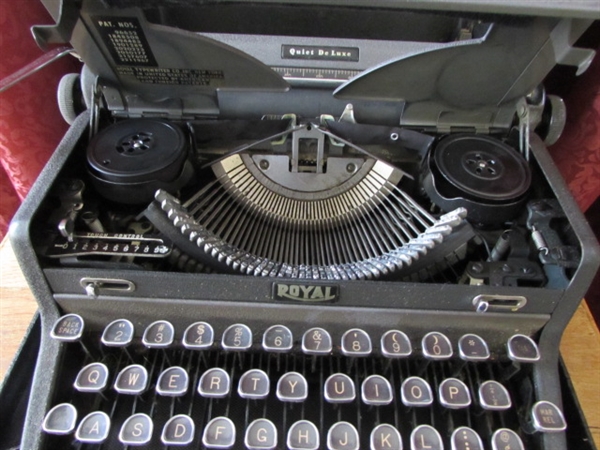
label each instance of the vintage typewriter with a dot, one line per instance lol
(303, 226)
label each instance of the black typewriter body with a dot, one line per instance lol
(296, 225)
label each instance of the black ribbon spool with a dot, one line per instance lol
(480, 173)
(129, 160)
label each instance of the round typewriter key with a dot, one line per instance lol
(219, 433)
(415, 391)
(277, 338)
(198, 335)
(159, 334)
(60, 420)
(261, 435)
(132, 380)
(68, 328)
(172, 382)
(303, 435)
(376, 390)
(136, 430)
(179, 430)
(385, 437)
(436, 346)
(93, 428)
(473, 348)
(214, 383)
(356, 342)
(395, 344)
(464, 438)
(454, 394)
(339, 388)
(118, 333)
(343, 436)
(92, 378)
(504, 438)
(522, 348)
(493, 396)
(237, 337)
(292, 387)
(254, 384)
(316, 341)
(547, 417)
(425, 437)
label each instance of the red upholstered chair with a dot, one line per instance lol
(30, 122)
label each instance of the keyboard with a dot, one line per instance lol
(156, 386)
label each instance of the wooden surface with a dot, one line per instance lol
(580, 346)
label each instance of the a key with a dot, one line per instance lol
(93, 428)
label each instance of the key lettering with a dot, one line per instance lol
(261, 435)
(138, 429)
(94, 376)
(133, 378)
(345, 441)
(215, 381)
(303, 436)
(423, 444)
(256, 380)
(416, 392)
(293, 385)
(337, 389)
(172, 381)
(385, 440)
(180, 430)
(453, 390)
(219, 431)
(95, 428)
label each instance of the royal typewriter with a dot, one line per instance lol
(305, 225)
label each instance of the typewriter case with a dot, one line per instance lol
(367, 166)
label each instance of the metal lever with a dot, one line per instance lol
(31, 68)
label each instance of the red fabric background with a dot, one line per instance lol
(577, 153)
(30, 123)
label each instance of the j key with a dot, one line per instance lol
(68, 328)
(261, 435)
(436, 346)
(343, 436)
(132, 379)
(254, 384)
(303, 435)
(159, 334)
(339, 388)
(547, 417)
(376, 390)
(425, 437)
(316, 341)
(172, 382)
(198, 336)
(92, 378)
(493, 396)
(416, 391)
(465, 438)
(136, 430)
(522, 348)
(118, 333)
(395, 344)
(292, 387)
(93, 428)
(454, 394)
(505, 439)
(385, 437)
(277, 338)
(179, 430)
(219, 433)
(214, 383)
(237, 337)
(473, 348)
(356, 342)
(60, 420)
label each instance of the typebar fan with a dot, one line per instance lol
(260, 217)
